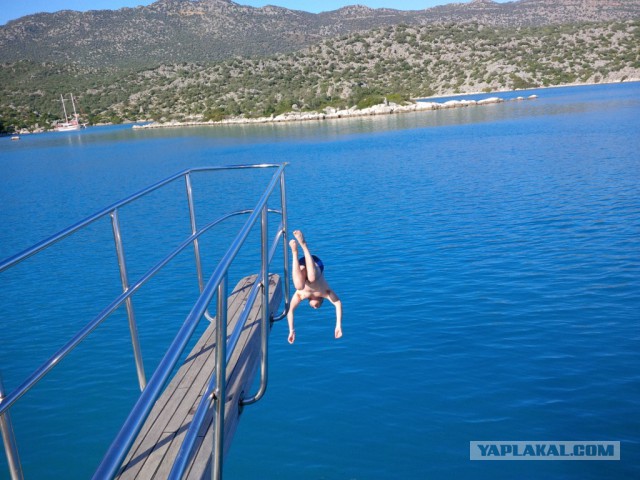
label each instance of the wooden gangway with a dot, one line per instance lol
(157, 444)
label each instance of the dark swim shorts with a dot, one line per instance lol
(316, 260)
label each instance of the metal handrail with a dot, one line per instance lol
(210, 393)
(52, 361)
(158, 380)
(9, 440)
(140, 411)
(19, 257)
(124, 279)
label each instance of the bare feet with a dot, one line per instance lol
(299, 236)
(338, 332)
(294, 246)
(292, 336)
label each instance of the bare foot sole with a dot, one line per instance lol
(299, 236)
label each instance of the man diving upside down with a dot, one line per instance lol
(310, 284)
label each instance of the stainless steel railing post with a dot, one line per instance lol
(196, 242)
(194, 229)
(264, 324)
(133, 328)
(9, 440)
(221, 380)
(285, 248)
(265, 305)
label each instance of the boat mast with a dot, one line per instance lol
(66, 119)
(75, 114)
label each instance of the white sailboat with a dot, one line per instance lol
(69, 124)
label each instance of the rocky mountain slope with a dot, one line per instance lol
(173, 31)
(397, 62)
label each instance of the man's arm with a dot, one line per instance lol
(333, 298)
(295, 301)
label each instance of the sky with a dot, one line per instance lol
(12, 9)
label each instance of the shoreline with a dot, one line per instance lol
(420, 104)
(329, 113)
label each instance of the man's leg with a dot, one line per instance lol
(310, 265)
(297, 274)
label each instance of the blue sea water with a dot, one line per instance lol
(488, 260)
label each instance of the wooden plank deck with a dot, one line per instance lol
(158, 443)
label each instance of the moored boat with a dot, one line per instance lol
(69, 124)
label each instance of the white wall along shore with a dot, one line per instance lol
(329, 113)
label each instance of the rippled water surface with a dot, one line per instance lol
(488, 260)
